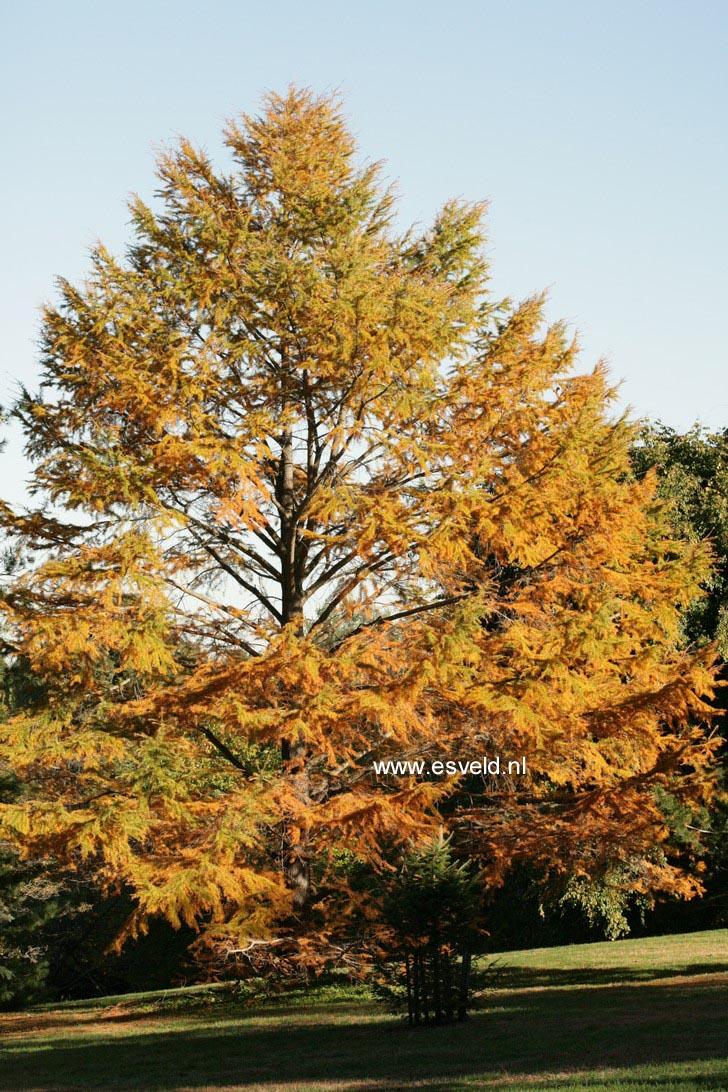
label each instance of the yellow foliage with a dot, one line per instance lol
(323, 502)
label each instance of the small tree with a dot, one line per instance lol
(432, 913)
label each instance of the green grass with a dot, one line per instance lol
(639, 1014)
(614, 961)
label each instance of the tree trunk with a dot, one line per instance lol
(425, 990)
(296, 851)
(448, 988)
(436, 980)
(297, 859)
(464, 983)
(417, 976)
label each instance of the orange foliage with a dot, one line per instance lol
(333, 504)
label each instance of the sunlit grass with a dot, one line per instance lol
(626, 1015)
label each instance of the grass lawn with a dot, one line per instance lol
(636, 1014)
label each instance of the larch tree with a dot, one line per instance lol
(310, 498)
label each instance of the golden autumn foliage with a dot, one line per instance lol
(310, 498)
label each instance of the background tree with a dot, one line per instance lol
(311, 498)
(692, 469)
(692, 472)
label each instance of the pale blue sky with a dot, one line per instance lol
(597, 131)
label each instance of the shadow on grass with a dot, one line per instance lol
(529, 1034)
(501, 976)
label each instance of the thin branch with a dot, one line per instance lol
(262, 599)
(356, 578)
(231, 611)
(449, 601)
(225, 751)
